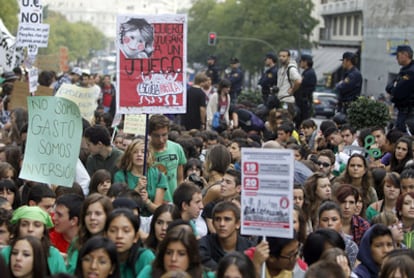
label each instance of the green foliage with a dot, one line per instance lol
(281, 23)
(250, 98)
(365, 112)
(78, 37)
(8, 13)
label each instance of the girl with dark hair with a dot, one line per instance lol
(319, 241)
(398, 266)
(161, 218)
(27, 258)
(33, 221)
(235, 264)
(122, 227)
(352, 224)
(98, 257)
(405, 213)
(9, 191)
(219, 102)
(218, 159)
(391, 190)
(403, 153)
(100, 182)
(177, 251)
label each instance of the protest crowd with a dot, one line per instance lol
(170, 206)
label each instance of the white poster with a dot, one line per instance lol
(267, 192)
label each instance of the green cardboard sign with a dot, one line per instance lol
(53, 140)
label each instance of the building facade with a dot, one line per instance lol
(386, 25)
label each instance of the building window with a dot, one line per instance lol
(334, 26)
(348, 25)
(341, 25)
(356, 25)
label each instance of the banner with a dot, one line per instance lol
(85, 98)
(10, 55)
(151, 61)
(53, 141)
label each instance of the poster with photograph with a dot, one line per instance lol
(267, 192)
(151, 61)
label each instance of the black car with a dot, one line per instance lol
(324, 104)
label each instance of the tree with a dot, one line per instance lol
(281, 23)
(79, 37)
(8, 13)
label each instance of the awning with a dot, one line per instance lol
(326, 60)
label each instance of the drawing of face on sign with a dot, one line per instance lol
(136, 38)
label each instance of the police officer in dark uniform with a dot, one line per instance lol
(349, 88)
(269, 76)
(236, 78)
(213, 70)
(304, 95)
(401, 88)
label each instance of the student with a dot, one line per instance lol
(27, 258)
(122, 227)
(280, 256)
(317, 189)
(406, 180)
(92, 220)
(230, 188)
(188, 200)
(98, 257)
(101, 182)
(9, 191)
(330, 217)
(66, 220)
(34, 221)
(398, 266)
(177, 252)
(102, 154)
(226, 222)
(375, 244)
(167, 153)
(235, 264)
(6, 228)
(153, 187)
(161, 218)
(42, 196)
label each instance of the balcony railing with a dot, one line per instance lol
(340, 7)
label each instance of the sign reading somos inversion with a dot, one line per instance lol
(53, 141)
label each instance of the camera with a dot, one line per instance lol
(196, 180)
(275, 90)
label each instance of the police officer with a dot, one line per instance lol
(212, 70)
(236, 78)
(269, 76)
(349, 88)
(401, 88)
(304, 95)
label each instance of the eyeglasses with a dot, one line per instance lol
(293, 256)
(397, 225)
(324, 164)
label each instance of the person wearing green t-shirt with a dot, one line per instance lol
(122, 227)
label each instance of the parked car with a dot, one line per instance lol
(324, 104)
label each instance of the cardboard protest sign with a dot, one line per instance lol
(21, 93)
(53, 141)
(10, 55)
(267, 192)
(85, 98)
(151, 61)
(135, 124)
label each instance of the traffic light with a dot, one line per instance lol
(212, 37)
